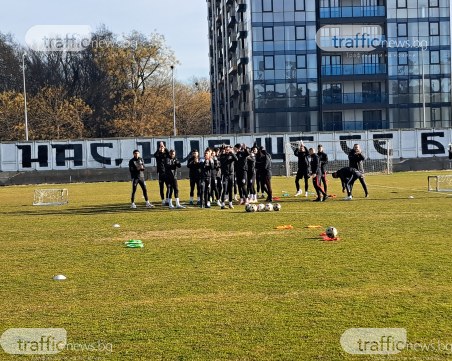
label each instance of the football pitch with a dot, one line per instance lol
(212, 284)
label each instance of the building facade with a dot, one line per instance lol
(329, 65)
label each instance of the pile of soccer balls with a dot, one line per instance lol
(262, 207)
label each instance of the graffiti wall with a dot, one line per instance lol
(115, 153)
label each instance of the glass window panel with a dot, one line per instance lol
(300, 32)
(299, 5)
(267, 5)
(269, 62)
(268, 33)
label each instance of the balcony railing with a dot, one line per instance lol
(354, 98)
(354, 69)
(352, 12)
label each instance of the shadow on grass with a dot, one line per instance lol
(92, 209)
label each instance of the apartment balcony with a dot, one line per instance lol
(231, 21)
(235, 91)
(338, 100)
(232, 41)
(353, 69)
(352, 12)
(242, 31)
(241, 6)
(243, 57)
(219, 17)
(233, 66)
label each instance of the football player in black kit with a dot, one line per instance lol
(264, 172)
(206, 167)
(194, 175)
(160, 158)
(316, 176)
(304, 170)
(348, 176)
(227, 160)
(241, 171)
(323, 158)
(171, 166)
(136, 168)
(355, 160)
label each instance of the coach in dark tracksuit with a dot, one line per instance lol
(241, 171)
(227, 160)
(160, 159)
(348, 176)
(356, 160)
(316, 171)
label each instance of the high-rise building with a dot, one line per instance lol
(302, 65)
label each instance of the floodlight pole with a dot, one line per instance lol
(25, 96)
(423, 89)
(174, 101)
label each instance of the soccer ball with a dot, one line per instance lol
(277, 207)
(250, 207)
(331, 232)
(260, 207)
(268, 207)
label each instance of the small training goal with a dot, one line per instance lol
(378, 153)
(50, 197)
(440, 183)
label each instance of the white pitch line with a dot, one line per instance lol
(407, 189)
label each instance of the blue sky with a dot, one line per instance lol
(182, 22)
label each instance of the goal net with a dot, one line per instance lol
(440, 183)
(378, 153)
(50, 197)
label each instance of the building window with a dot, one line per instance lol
(267, 5)
(435, 85)
(434, 28)
(372, 119)
(332, 93)
(402, 29)
(402, 57)
(401, 4)
(269, 62)
(269, 90)
(301, 98)
(300, 33)
(434, 57)
(332, 121)
(268, 34)
(403, 87)
(301, 61)
(433, 3)
(299, 5)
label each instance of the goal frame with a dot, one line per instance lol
(378, 153)
(50, 197)
(437, 180)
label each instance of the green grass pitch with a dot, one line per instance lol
(214, 284)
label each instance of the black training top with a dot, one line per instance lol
(136, 167)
